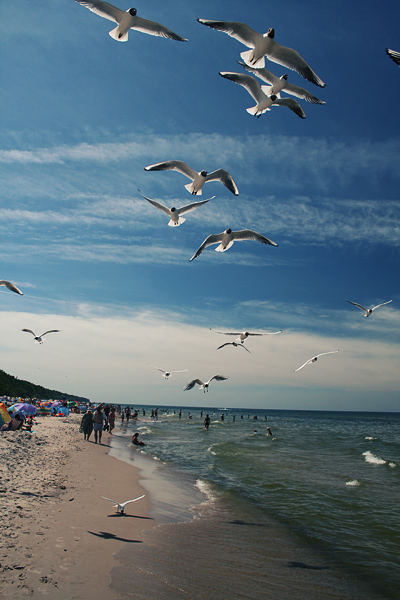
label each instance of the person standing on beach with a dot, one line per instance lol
(206, 422)
(98, 420)
(87, 424)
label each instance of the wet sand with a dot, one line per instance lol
(58, 536)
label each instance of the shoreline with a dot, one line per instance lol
(59, 537)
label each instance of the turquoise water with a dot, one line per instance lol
(330, 478)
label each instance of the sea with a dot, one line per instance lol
(309, 509)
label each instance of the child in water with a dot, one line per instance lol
(136, 441)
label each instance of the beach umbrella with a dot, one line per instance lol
(23, 408)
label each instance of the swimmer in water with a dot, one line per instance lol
(269, 431)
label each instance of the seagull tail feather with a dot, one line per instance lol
(115, 33)
(247, 57)
(175, 224)
(221, 248)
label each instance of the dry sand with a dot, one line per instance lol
(58, 536)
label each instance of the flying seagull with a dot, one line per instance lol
(235, 345)
(39, 338)
(128, 20)
(368, 311)
(120, 506)
(314, 359)
(260, 95)
(264, 45)
(395, 56)
(167, 374)
(278, 84)
(11, 286)
(203, 385)
(198, 179)
(175, 213)
(227, 237)
(243, 335)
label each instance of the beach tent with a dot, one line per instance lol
(4, 416)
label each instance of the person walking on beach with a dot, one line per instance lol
(111, 420)
(98, 420)
(206, 422)
(87, 424)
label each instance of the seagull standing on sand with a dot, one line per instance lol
(314, 359)
(120, 506)
(128, 20)
(198, 179)
(203, 385)
(264, 45)
(260, 95)
(235, 345)
(367, 311)
(394, 55)
(243, 335)
(278, 84)
(167, 374)
(39, 338)
(11, 286)
(175, 213)
(227, 237)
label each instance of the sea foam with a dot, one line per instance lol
(372, 459)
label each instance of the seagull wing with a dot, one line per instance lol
(29, 331)
(11, 286)
(114, 501)
(189, 207)
(248, 234)
(267, 333)
(228, 333)
(383, 303)
(263, 74)
(305, 364)
(123, 504)
(241, 32)
(395, 56)
(225, 178)
(192, 384)
(50, 331)
(211, 239)
(153, 28)
(217, 378)
(300, 92)
(324, 353)
(180, 371)
(292, 60)
(248, 82)
(162, 370)
(158, 205)
(356, 304)
(293, 105)
(103, 9)
(223, 345)
(173, 165)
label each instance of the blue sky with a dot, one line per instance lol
(82, 115)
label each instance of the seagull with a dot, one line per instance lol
(395, 56)
(260, 95)
(167, 374)
(368, 311)
(235, 344)
(128, 20)
(11, 286)
(198, 179)
(243, 335)
(39, 338)
(175, 213)
(264, 44)
(280, 83)
(203, 385)
(314, 359)
(227, 237)
(120, 506)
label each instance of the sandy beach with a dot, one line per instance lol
(58, 535)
